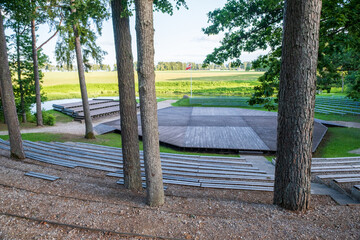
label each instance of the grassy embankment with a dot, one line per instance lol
(337, 143)
(62, 85)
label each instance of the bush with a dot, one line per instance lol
(48, 118)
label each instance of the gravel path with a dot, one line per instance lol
(85, 204)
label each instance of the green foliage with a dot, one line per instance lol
(60, 117)
(339, 44)
(166, 6)
(87, 17)
(266, 92)
(354, 91)
(48, 118)
(248, 25)
(20, 55)
(257, 24)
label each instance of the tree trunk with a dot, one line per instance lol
(148, 104)
(296, 104)
(89, 131)
(128, 116)
(22, 101)
(8, 100)
(39, 120)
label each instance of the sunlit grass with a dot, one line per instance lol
(338, 142)
(63, 85)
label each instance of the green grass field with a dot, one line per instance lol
(62, 85)
(338, 142)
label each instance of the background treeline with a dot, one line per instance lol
(178, 66)
(161, 66)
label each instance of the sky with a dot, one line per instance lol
(177, 38)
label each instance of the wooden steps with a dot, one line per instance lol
(98, 108)
(42, 176)
(188, 170)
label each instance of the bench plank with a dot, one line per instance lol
(42, 176)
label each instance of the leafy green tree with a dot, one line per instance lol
(21, 56)
(36, 16)
(21, 66)
(82, 20)
(7, 97)
(339, 45)
(17, 22)
(257, 24)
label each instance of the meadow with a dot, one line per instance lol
(62, 85)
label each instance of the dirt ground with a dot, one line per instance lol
(86, 204)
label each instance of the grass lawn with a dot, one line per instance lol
(338, 142)
(338, 117)
(60, 117)
(185, 102)
(62, 85)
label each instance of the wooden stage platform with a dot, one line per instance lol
(217, 128)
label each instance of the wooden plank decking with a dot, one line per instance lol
(220, 128)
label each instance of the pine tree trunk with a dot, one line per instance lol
(128, 115)
(296, 104)
(89, 131)
(22, 101)
(148, 103)
(8, 100)
(39, 120)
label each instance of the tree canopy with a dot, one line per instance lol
(251, 25)
(88, 18)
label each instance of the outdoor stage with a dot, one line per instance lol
(217, 128)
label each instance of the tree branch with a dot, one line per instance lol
(37, 49)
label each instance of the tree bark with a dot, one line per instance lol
(8, 99)
(22, 101)
(89, 131)
(148, 103)
(128, 115)
(296, 104)
(39, 119)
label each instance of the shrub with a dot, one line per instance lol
(48, 118)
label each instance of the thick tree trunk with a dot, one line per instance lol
(22, 101)
(39, 120)
(89, 131)
(8, 100)
(128, 116)
(296, 104)
(148, 104)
